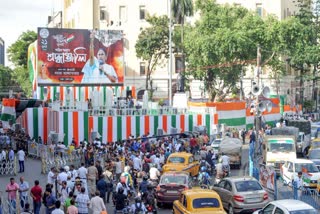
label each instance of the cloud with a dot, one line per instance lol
(18, 16)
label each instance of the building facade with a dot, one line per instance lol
(2, 51)
(129, 16)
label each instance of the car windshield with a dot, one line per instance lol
(299, 138)
(303, 212)
(308, 167)
(314, 154)
(281, 147)
(246, 186)
(176, 179)
(205, 203)
(176, 160)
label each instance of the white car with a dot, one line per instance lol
(215, 145)
(288, 206)
(310, 176)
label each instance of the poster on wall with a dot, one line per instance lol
(73, 56)
(266, 177)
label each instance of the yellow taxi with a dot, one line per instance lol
(182, 161)
(318, 186)
(315, 143)
(202, 201)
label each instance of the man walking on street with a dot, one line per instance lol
(23, 189)
(21, 156)
(36, 194)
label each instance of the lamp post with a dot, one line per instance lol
(170, 53)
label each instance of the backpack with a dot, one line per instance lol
(138, 209)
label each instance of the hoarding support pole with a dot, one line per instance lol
(170, 54)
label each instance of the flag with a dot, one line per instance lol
(8, 111)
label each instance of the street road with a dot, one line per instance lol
(33, 172)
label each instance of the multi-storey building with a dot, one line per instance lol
(2, 51)
(129, 16)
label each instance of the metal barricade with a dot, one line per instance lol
(60, 159)
(8, 167)
(33, 150)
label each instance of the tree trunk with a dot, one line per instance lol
(301, 87)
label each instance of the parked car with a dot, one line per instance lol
(288, 206)
(182, 161)
(216, 144)
(202, 201)
(171, 185)
(241, 194)
(291, 168)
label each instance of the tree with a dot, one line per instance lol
(152, 43)
(221, 43)
(18, 55)
(180, 9)
(6, 81)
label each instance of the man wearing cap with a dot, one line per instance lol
(92, 177)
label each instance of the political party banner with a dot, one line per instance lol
(266, 177)
(73, 56)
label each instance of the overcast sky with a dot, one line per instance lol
(18, 16)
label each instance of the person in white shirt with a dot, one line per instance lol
(57, 210)
(62, 176)
(23, 189)
(156, 161)
(154, 173)
(225, 160)
(52, 177)
(21, 156)
(3, 155)
(96, 204)
(83, 173)
(298, 182)
(137, 164)
(73, 173)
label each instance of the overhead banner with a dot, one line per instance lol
(73, 56)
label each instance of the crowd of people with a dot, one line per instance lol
(112, 174)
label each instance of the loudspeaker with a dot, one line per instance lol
(268, 106)
(266, 92)
(255, 90)
(262, 106)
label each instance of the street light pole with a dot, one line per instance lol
(170, 54)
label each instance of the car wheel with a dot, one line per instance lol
(230, 209)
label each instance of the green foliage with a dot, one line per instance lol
(180, 9)
(222, 42)
(152, 43)
(6, 81)
(18, 55)
(18, 51)
(308, 105)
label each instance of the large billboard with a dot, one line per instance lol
(73, 56)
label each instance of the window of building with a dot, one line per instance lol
(142, 12)
(259, 10)
(122, 14)
(103, 13)
(142, 68)
(178, 64)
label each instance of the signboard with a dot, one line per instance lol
(73, 56)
